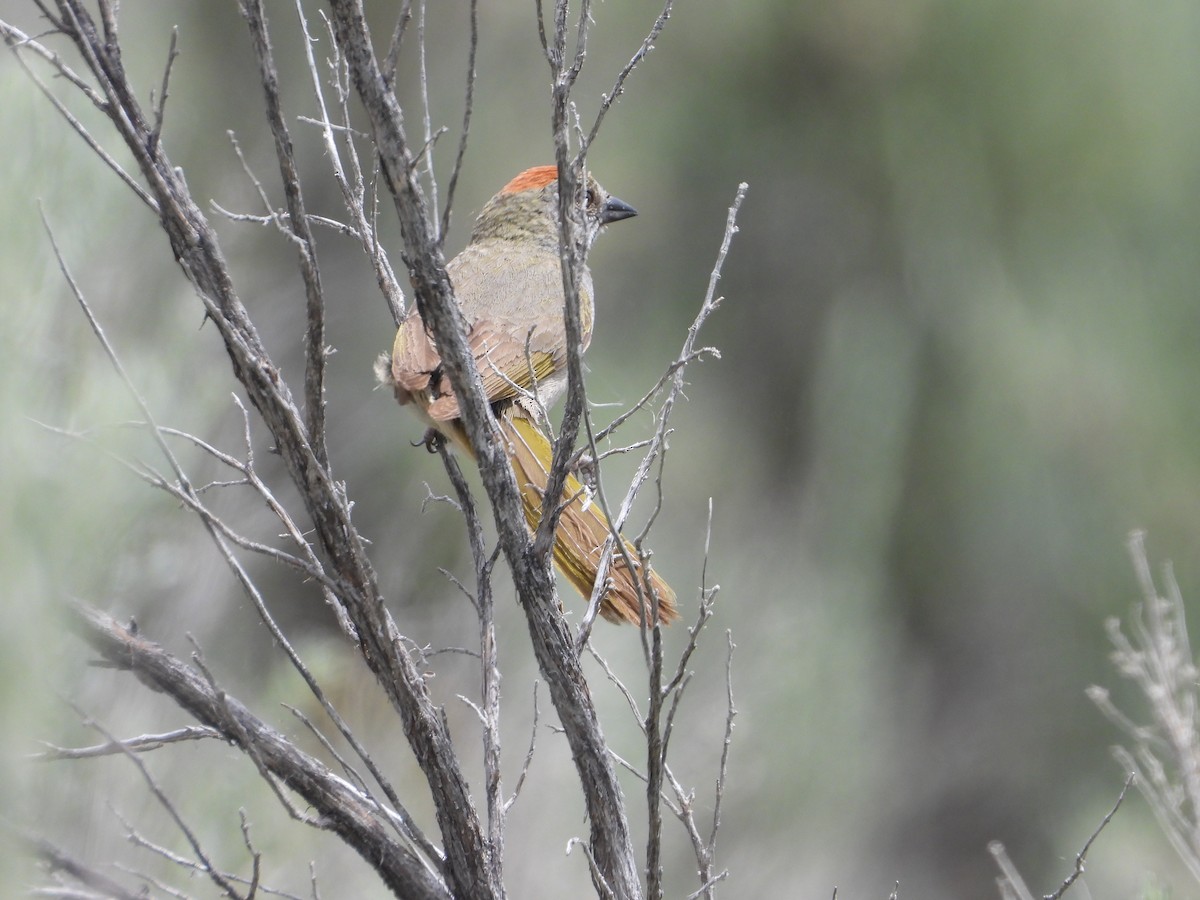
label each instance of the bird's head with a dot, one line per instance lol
(527, 209)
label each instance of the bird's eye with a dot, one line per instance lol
(591, 197)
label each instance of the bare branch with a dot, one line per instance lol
(723, 771)
(347, 769)
(489, 711)
(619, 86)
(426, 118)
(602, 886)
(403, 821)
(18, 40)
(1081, 856)
(657, 446)
(218, 878)
(256, 871)
(58, 860)
(402, 20)
(705, 890)
(468, 104)
(191, 867)
(160, 108)
(352, 186)
(315, 350)
(676, 365)
(528, 754)
(244, 740)
(141, 744)
(328, 549)
(341, 808)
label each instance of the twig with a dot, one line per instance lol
(314, 336)
(58, 860)
(349, 770)
(256, 867)
(426, 118)
(602, 886)
(705, 890)
(190, 866)
(516, 792)
(677, 364)
(1081, 856)
(352, 186)
(244, 739)
(402, 20)
(489, 665)
(160, 108)
(657, 447)
(342, 808)
(141, 744)
(405, 825)
(217, 877)
(656, 760)
(619, 87)
(16, 40)
(468, 104)
(723, 769)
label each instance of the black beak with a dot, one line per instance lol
(615, 210)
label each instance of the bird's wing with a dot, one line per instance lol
(513, 308)
(414, 358)
(510, 365)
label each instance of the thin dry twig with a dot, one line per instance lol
(352, 186)
(214, 874)
(244, 739)
(658, 446)
(160, 108)
(182, 491)
(727, 742)
(1081, 856)
(58, 860)
(340, 807)
(299, 226)
(619, 86)
(516, 792)
(393, 55)
(141, 744)
(17, 40)
(190, 866)
(468, 106)
(489, 665)
(256, 857)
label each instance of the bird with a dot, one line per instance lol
(508, 285)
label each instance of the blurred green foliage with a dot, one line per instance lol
(959, 363)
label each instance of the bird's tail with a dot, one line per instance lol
(582, 533)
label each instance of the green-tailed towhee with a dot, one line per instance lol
(508, 282)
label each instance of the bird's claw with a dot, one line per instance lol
(432, 441)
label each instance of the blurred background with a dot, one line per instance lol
(959, 364)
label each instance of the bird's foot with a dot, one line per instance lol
(432, 441)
